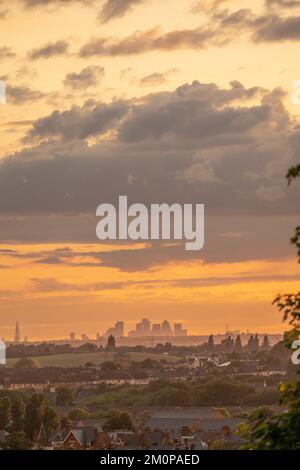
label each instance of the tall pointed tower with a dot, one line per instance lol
(17, 333)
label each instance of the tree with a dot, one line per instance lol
(34, 414)
(26, 363)
(238, 345)
(289, 304)
(17, 441)
(50, 419)
(221, 393)
(118, 421)
(210, 343)
(256, 343)
(266, 344)
(39, 413)
(111, 343)
(229, 344)
(146, 364)
(266, 430)
(5, 412)
(17, 413)
(250, 344)
(76, 414)
(64, 396)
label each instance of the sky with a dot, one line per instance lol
(175, 101)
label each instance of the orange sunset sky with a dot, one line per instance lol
(175, 101)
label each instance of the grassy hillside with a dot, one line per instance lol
(78, 359)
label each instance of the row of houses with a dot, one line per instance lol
(41, 379)
(51, 378)
(171, 433)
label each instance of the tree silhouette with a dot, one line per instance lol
(5, 412)
(111, 343)
(266, 430)
(238, 345)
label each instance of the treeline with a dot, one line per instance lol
(229, 347)
(213, 392)
(48, 349)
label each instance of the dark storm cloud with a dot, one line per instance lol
(117, 8)
(51, 49)
(87, 77)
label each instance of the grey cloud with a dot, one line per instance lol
(54, 3)
(7, 294)
(274, 28)
(154, 39)
(228, 239)
(283, 3)
(87, 77)
(221, 28)
(6, 53)
(269, 27)
(21, 94)
(51, 49)
(79, 123)
(209, 117)
(156, 78)
(207, 5)
(3, 14)
(198, 143)
(54, 285)
(50, 260)
(117, 8)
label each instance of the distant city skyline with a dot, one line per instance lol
(144, 329)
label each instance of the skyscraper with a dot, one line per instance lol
(143, 328)
(166, 328)
(17, 333)
(119, 329)
(72, 337)
(146, 327)
(178, 330)
(156, 329)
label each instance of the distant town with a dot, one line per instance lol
(145, 333)
(100, 393)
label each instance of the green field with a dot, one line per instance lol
(79, 359)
